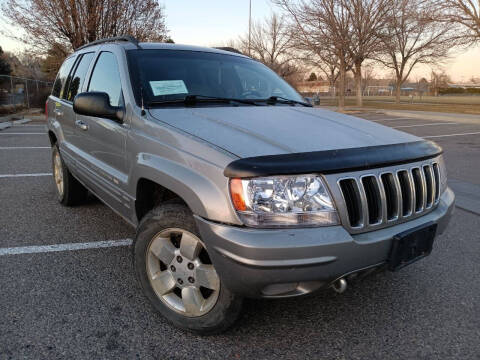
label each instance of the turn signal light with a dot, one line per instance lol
(236, 191)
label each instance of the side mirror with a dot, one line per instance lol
(97, 104)
(315, 100)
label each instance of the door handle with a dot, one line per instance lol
(58, 112)
(81, 125)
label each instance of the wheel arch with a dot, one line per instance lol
(150, 194)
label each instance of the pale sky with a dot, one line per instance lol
(214, 22)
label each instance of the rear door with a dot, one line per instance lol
(103, 140)
(60, 113)
(73, 84)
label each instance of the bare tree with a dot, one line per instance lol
(324, 59)
(475, 80)
(270, 43)
(53, 59)
(368, 19)
(414, 35)
(465, 13)
(438, 80)
(329, 65)
(369, 76)
(5, 67)
(320, 22)
(72, 23)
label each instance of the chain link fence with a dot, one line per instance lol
(18, 93)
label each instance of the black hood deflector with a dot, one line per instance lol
(333, 161)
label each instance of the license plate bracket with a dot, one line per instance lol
(411, 245)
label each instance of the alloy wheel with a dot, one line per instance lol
(181, 273)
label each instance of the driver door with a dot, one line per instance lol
(102, 161)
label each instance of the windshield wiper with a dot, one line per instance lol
(272, 100)
(194, 99)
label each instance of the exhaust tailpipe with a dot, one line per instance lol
(340, 285)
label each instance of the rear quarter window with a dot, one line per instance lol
(62, 76)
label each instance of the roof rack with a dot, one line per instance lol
(229, 49)
(127, 38)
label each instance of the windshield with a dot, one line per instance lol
(167, 75)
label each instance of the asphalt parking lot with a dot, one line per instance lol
(86, 303)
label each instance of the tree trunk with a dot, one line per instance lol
(341, 87)
(358, 83)
(398, 90)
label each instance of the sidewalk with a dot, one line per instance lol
(424, 115)
(11, 117)
(430, 115)
(19, 118)
(7, 124)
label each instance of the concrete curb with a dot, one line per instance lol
(6, 124)
(22, 121)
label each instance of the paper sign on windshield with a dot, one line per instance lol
(168, 87)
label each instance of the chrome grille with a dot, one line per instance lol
(383, 197)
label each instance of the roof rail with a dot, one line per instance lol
(229, 49)
(127, 38)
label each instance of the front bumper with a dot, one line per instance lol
(290, 262)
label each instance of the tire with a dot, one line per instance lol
(68, 189)
(164, 236)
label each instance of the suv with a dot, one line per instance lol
(236, 185)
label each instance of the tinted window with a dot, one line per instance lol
(62, 77)
(171, 74)
(106, 78)
(79, 75)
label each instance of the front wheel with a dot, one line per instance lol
(177, 275)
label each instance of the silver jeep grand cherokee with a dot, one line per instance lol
(236, 185)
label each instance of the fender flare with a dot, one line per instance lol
(202, 195)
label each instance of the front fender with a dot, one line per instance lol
(207, 197)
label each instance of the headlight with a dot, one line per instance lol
(282, 201)
(442, 174)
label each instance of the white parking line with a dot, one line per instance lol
(64, 247)
(24, 175)
(26, 133)
(24, 147)
(439, 136)
(431, 124)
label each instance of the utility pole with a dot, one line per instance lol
(249, 27)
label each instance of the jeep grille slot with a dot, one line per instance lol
(391, 195)
(351, 196)
(374, 202)
(382, 197)
(437, 181)
(407, 192)
(429, 185)
(419, 189)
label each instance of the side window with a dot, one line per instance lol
(62, 77)
(106, 78)
(79, 76)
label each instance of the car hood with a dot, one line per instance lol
(248, 131)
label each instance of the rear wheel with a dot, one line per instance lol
(177, 275)
(69, 190)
